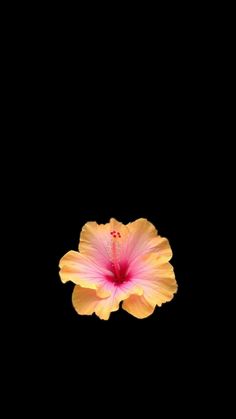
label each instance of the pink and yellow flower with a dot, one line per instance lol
(118, 262)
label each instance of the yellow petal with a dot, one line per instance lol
(157, 280)
(158, 290)
(87, 301)
(143, 238)
(138, 306)
(161, 246)
(83, 271)
(92, 239)
(84, 300)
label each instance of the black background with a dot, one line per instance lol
(121, 153)
(90, 179)
(96, 181)
(114, 114)
(117, 143)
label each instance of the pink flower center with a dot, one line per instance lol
(118, 269)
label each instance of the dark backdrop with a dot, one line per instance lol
(100, 128)
(122, 151)
(122, 170)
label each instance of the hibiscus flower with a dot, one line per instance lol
(118, 262)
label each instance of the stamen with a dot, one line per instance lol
(115, 260)
(118, 267)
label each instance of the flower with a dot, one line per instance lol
(118, 262)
